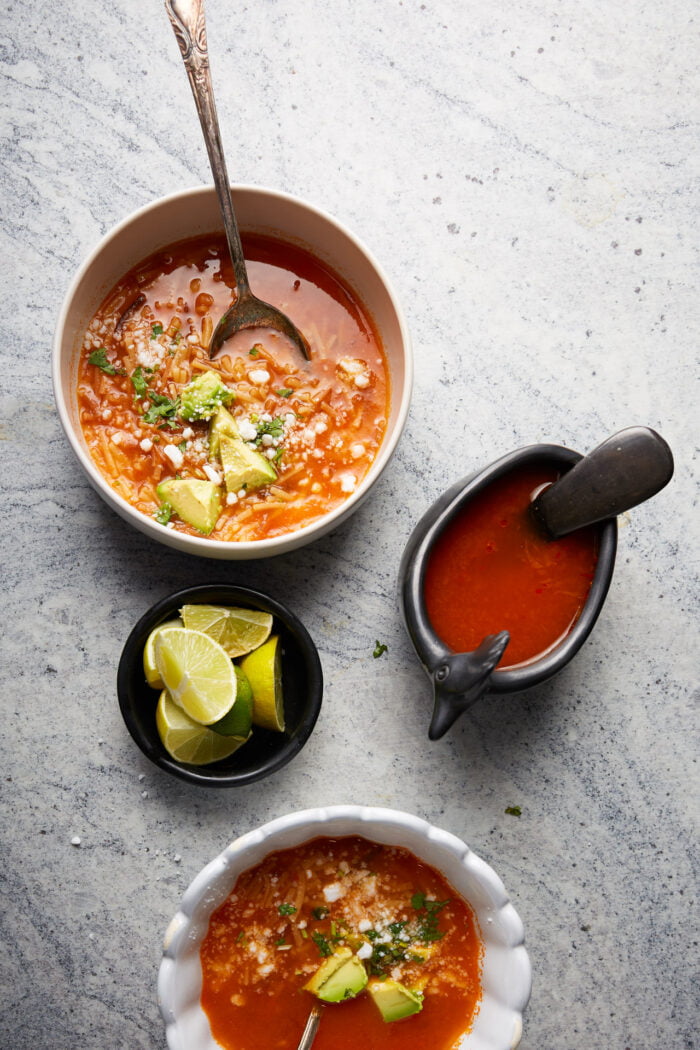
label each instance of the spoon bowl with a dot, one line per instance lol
(247, 311)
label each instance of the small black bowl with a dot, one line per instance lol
(266, 751)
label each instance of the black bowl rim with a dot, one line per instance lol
(220, 593)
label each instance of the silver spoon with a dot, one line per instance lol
(309, 1033)
(188, 22)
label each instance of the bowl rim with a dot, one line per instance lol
(203, 594)
(204, 546)
(506, 968)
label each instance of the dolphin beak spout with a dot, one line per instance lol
(460, 679)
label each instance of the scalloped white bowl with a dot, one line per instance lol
(506, 974)
(190, 213)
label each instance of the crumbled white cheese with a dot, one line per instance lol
(266, 440)
(320, 427)
(75, 841)
(231, 498)
(106, 414)
(188, 433)
(175, 455)
(364, 951)
(259, 376)
(348, 482)
(212, 474)
(146, 444)
(333, 892)
(357, 450)
(247, 430)
(362, 381)
(364, 925)
(270, 453)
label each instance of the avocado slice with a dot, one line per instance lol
(222, 422)
(244, 467)
(394, 1000)
(202, 396)
(196, 502)
(340, 976)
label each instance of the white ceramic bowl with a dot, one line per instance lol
(506, 975)
(188, 214)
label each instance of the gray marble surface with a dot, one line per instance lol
(528, 176)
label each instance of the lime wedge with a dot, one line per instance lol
(263, 668)
(239, 631)
(188, 741)
(197, 673)
(239, 719)
(149, 657)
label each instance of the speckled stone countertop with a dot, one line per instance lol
(528, 176)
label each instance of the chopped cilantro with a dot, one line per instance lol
(379, 649)
(156, 330)
(320, 912)
(286, 909)
(161, 408)
(99, 358)
(255, 351)
(182, 446)
(285, 391)
(139, 382)
(514, 811)
(427, 928)
(241, 938)
(162, 515)
(279, 942)
(274, 427)
(321, 943)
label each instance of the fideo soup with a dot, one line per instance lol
(492, 569)
(288, 913)
(318, 425)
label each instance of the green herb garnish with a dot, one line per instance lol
(156, 330)
(320, 912)
(139, 382)
(99, 358)
(379, 649)
(182, 446)
(163, 514)
(274, 427)
(427, 928)
(321, 943)
(514, 811)
(254, 351)
(286, 909)
(161, 408)
(285, 391)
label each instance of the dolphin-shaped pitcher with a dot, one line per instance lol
(460, 679)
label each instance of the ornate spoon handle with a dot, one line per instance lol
(189, 25)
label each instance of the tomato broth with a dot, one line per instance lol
(288, 913)
(320, 425)
(492, 569)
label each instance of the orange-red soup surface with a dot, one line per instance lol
(270, 936)
(492, 569)
(326, 420)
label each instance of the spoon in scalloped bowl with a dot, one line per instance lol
(188, 22)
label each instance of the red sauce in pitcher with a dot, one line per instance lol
(492, 569)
